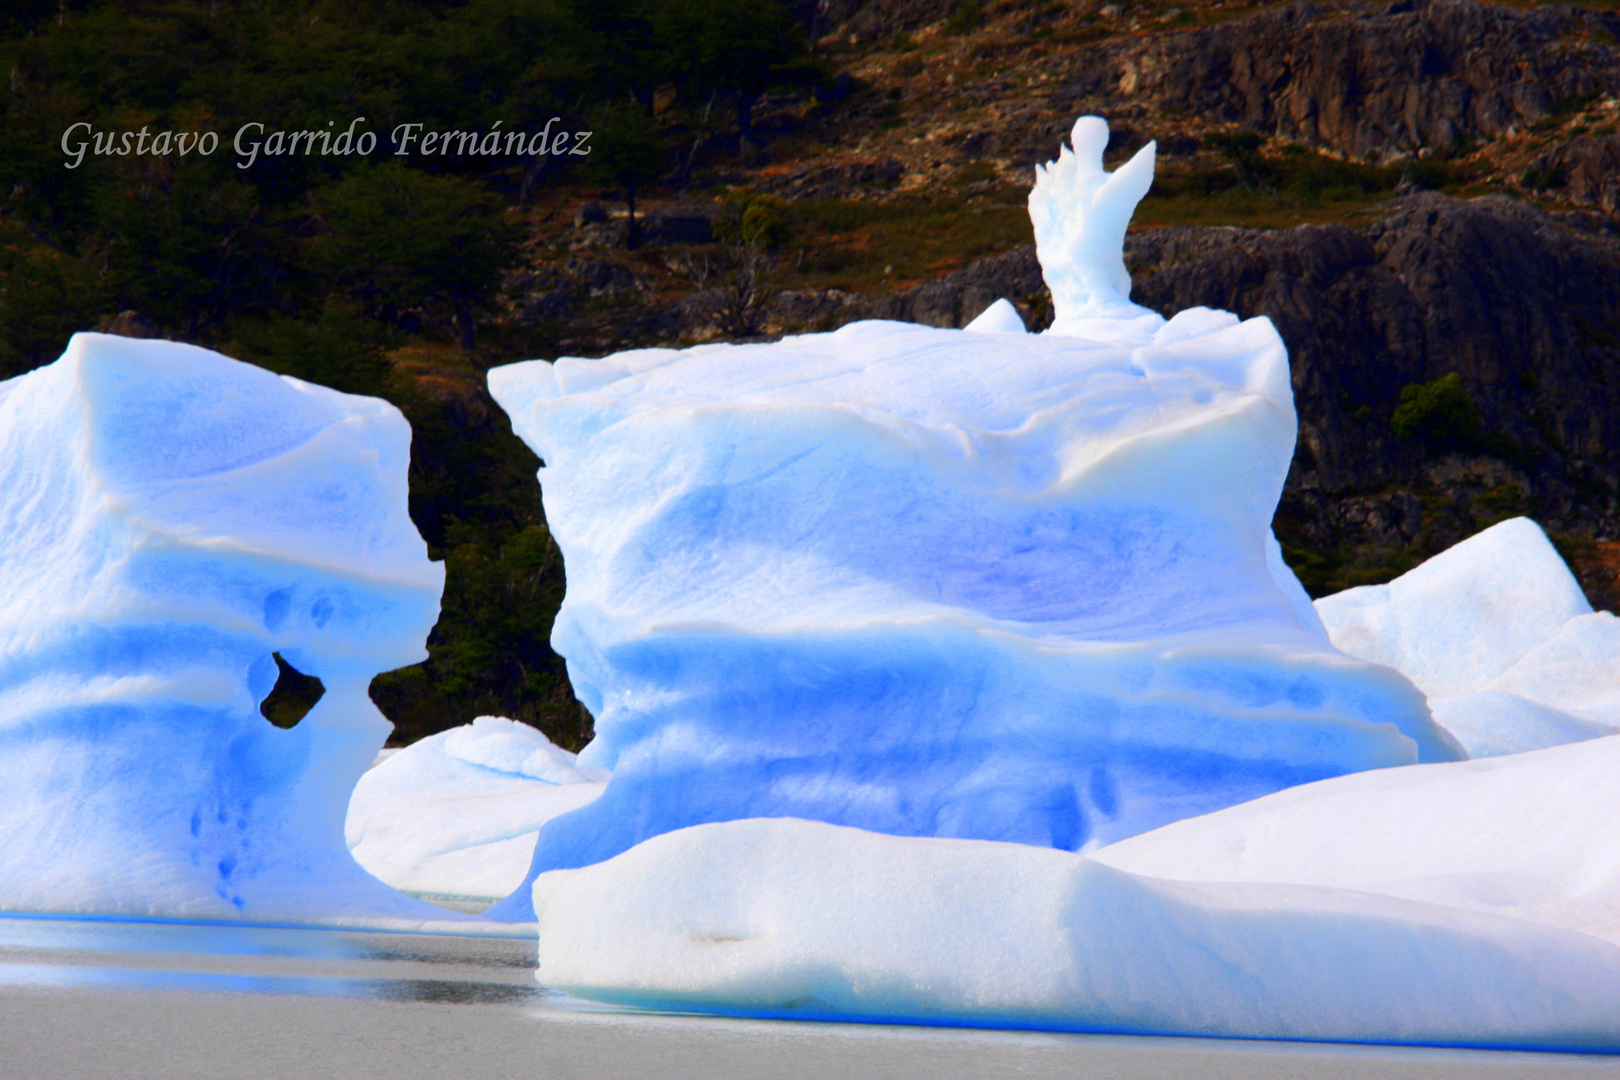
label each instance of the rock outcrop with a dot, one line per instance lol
(1521, 306)
(1588, 169)
(1358, 79)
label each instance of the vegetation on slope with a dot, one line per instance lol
(763, 170)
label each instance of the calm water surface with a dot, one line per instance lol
(86, 999)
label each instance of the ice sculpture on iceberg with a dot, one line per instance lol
(960, 583)
(169, 518)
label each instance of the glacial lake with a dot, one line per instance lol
(83, 999)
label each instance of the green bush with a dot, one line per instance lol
(1440, 411)
(405, 244)
(1543, 177)
(1500, 503)
(339, 349)
(1428, 174)
(45, 296)
(748, 218)
(1241, 149)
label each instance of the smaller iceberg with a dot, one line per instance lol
(170, 519)
(1497, 632)
(1466, 904)
(454, 816)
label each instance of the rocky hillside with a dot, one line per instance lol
(1454, 363)
(1421, 195)
(1424, 196)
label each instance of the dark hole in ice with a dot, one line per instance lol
(292, 697)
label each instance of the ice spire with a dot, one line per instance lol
(1080, 213)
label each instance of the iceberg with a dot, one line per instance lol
(170, 519)
(1472, 904)
(1497, 632)
(1529, 836)
(454, 816)
(975, 583)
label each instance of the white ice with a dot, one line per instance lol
(999, 318)
(170, 517)
(1081, 213)
(953, 587)
(1497, 632)
(962, 584)
(1474, 903)
(455, 815)
(973, 583)
(1533, 836)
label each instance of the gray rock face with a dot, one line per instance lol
(1524, 308)
(875, 19)
(835, 181)
(1364, 79)
(957, 298)
(1589, 171)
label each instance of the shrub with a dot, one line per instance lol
(1440, 411)
(748, 218)
(1543, 177)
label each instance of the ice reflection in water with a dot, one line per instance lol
(86, 998)
(429, 990)
(269, 960)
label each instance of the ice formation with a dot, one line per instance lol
(1474, 903)
(1498, 634)
(1530, 836)
(981, 583)
(1081, 213)
(455, 815)
(169, 518)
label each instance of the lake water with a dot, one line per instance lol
(87, 999)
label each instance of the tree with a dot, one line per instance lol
(187, 248)
(627, 152)
(739, 48)
(403, 244)
(339, 348)
(45, 296)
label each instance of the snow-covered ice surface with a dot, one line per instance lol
(1474, 903)
(1496, 631)
(170, 517)
(1535, 836)
(455, 815)
(977, 583)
